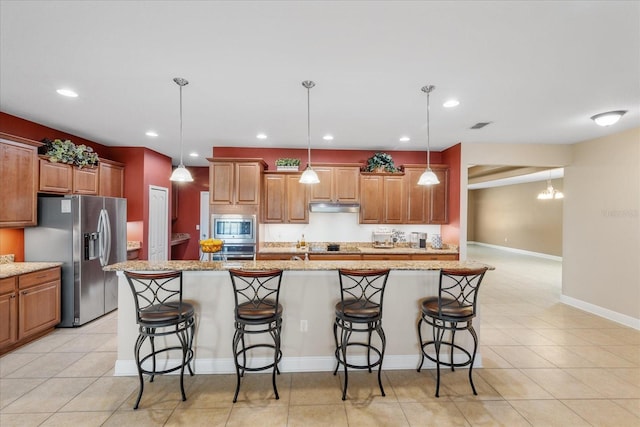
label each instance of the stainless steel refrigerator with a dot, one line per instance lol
(85, 233)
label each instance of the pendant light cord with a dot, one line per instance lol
(428, 89)
(309, 126)
(181, 149)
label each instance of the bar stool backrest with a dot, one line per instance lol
(157, 296)
(458, 289)
(363, 288)
(256, 288)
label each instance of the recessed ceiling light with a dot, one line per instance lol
(151, 133)
(67, 92)
(405, 139)
(328, 137)
(451, 103)
(261, 136)
(194, 154)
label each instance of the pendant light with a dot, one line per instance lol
(550, 193)
(181, 173)
(428, 177)
(309, 176)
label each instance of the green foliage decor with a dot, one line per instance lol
(380, 160)
(65, 151)
(287, 162)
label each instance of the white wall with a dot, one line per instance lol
(334, 227)
(601, 268)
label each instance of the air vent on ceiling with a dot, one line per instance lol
(479, 125)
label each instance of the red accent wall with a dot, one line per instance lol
(322, 156)
(451, 232)
(12, 242)
(189, 213)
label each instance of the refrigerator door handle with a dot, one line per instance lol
(104, 232)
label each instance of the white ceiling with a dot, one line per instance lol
(536, 70)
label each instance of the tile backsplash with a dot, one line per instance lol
(6, 259)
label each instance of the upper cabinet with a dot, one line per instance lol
(338, 183)
(382, 198)
(235, 181)
(111, 180)
(285, 200)
(19, 177)
(107, 179)
(427, 204)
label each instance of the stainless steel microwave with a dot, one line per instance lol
(234, 228)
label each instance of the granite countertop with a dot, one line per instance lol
(351, 248)
(16, 268)
(133, 245)
(177, 238)
(290, 265)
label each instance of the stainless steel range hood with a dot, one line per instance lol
(334, 207)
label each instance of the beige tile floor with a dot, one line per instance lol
(545, 364)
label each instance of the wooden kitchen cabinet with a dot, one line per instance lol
(8, 312)
(85, 180)
(285, 199)
(235, 181)
(38, 302)
(339, 183)
(334, 257)
(427, 204)
(19, 177)
(111, 178)
(382, 199)
(29, 307)
(434, 257)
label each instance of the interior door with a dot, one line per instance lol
(158, 224)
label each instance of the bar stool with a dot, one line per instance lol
(160, 312)
(452, 310)
(360, 310)
(257, 311)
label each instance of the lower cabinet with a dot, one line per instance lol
(359, 257)
(29, 306)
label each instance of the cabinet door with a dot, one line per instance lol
(347, 184)
(111, 179)
(297, 200)
(274, 198)
(85, 180)
(8, 319)
(323, 191)
(417, 196)
(39, 308)
(55, 177)
(221, 183)
(371, 201)
(394, 200)
(247, 183)
(19, 177)
(439, 204)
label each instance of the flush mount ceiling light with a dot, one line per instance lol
(309, 176)
(550, 193)
(328, 137)
(609, 118)
(428, 177)
(67, 92)
(151, 133)
(181, 173)
(261, 136)
(451, 103)
(405, 139)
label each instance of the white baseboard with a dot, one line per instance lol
(290, 364)
(518, 251)
(623, 319)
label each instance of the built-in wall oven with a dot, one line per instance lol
(238, 233)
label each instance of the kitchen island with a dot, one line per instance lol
(309, 292)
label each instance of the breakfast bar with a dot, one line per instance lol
(309, 292)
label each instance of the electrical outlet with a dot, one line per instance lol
(304, 326)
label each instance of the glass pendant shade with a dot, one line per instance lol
(609, 118)
(550, 193)
(181, 174)
(309, 176)
(428, 178)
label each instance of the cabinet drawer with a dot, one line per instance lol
(37, 277)
(435, 257)
(7, 285)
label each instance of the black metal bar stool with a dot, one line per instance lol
(452, 310)
(160, 312)
(360, 310)
(257, 311)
